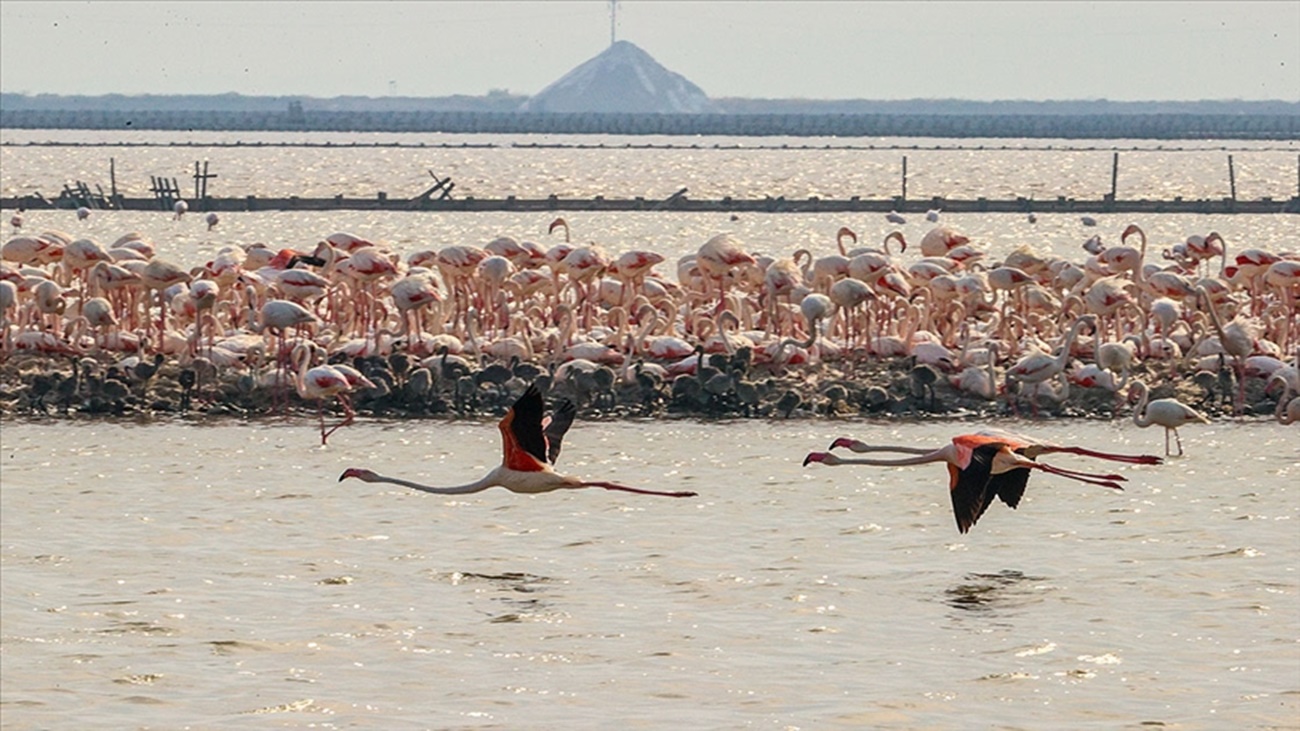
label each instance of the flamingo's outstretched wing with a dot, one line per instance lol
(1009, 486)
(969, 486)
(561, 420)
(522, 428)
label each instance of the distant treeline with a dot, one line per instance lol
(799, 118)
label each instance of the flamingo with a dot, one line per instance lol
(848, 295)
(178, 210)
(1288, 406)
(717, 257)
(1167, 412)
(530, 445)
(319, 383)
(1038, 368)
(1237, 340)
(160, 274)
(560, 223)
(939, 241)
(410, 294)
(212, 219)
(981, 382)
(984, 465)
(631, 268)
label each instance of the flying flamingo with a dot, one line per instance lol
(530, 445)
(1167, 412)
(983, 466)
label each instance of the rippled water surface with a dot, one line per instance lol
(1034, 169)
(183, 575)
(495, 166)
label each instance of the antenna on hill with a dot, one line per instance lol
(613, 19)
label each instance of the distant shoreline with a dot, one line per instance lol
(1184, 125)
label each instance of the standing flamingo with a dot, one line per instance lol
(939, 241)
(530, 445)
(1167, 412)
(983, 466)
(1038, 368)
(717, 257)
(319, 383)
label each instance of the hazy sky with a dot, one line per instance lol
(818, 50)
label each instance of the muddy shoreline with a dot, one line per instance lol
(44, 386)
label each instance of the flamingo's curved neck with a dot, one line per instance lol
(1140, 416)
(488, 480)
(942, 454)
(860, 448)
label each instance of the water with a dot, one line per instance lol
(842, 168)
(177, 574)
(1198, 169)
(185, 575)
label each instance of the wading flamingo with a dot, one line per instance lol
(321, 383)
(983, 466)
(1167, 412)
(530, 446)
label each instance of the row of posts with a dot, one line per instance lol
(201, 179)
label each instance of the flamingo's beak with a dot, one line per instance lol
(813, 457)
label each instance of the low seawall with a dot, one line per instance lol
(381, 202)
(1156, 126)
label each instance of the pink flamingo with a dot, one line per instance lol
(530, 446)
(983, 466)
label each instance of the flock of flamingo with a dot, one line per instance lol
(349, 320)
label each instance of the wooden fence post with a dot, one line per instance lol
(1114, 175)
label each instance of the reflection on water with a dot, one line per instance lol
(991, 592)
(506, 589)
